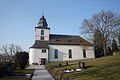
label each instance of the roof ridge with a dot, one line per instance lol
(65, 35)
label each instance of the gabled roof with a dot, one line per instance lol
(68, 40)
(56, 39)
(39, 44)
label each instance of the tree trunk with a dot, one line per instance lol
(105, 49)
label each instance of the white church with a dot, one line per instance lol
(56, 47)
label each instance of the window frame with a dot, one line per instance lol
(42, 38)
(70, 53)
(56, 53)
(44, 50)
(42, 32)
(84, 53)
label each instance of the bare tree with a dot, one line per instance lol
(119, 38)
(107, 22)
(5, 51)
(10, 50)
(14, 49)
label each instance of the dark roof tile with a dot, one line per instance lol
(61, 40)
(68, 39)
(39, 44)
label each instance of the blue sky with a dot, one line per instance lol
(18, 18)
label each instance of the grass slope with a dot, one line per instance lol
(105, 68)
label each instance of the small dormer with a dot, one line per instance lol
(42, 31)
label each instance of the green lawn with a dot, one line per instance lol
(63, 62)
(25, 71)
(105, 68)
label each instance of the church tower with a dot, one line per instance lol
(42, 31)
(39, 50)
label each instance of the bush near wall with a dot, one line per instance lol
(21, 59)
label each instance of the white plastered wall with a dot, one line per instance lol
(35, 55)
(38, 34)
(77, 52)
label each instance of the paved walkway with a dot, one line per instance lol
(40, 73)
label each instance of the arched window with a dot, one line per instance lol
(70, 53)
(84, 53)
(56, 53)
(42, 32)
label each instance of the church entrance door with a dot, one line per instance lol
(43, 61)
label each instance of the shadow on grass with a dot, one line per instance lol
(89, 67)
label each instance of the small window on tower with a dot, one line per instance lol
(42, 32)
(43, 50)
(42, 38)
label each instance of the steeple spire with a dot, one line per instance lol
(42, 22)
(42, 13)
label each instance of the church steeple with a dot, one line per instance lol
(42, 22)
(42, 31)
